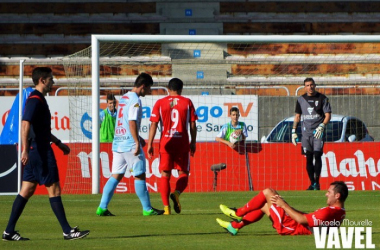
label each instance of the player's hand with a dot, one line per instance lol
(238, 132)
(65, 149)
(294, 137)
(277, 199)
(24, 157)
(137, 150)
(193, 148)
(232, 145)
(150, 151)
(318, 132)
(142, 141)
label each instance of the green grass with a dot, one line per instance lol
(195, 228)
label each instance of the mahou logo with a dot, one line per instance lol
(355, 166)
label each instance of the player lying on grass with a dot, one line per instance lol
(285, 219)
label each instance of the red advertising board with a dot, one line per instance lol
(277, 165)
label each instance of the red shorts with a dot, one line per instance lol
(179, 161)
(284, 224)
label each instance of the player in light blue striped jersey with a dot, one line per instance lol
(127, 148)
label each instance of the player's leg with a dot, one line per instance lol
(252, 212)
(54, 191)
(139, 168)
(119, 166)
(27, 190)
(318, 152)
(182, 164)
(307, 145)
(317, 168)
(31, 177)
(166, 166)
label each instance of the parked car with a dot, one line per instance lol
(339, 129)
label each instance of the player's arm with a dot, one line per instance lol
(293, 213)
(327, 118)
(25, 129)
(193, 135)
(221, 135)
(297, 119)
(65, 149)
(135, 135)
(152, 134)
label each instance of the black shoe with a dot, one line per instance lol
(75, 234)
(317, 187)
(15, 236)
(311, 187)
(175, 198)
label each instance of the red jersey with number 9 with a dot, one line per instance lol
(174, 114)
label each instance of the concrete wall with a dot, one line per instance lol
(365, 107)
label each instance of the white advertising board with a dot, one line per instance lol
(212, 111)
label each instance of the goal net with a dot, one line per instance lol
(260, 75)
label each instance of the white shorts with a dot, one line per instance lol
(127, 160)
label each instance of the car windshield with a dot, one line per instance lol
(283, 132)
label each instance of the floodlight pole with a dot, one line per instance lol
(95, 116)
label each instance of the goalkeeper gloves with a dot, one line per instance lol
(318, 132)
(294, 137)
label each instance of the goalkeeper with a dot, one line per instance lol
(314, 109)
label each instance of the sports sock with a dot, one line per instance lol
(165, 189)
(17, 208)
(59, 211)
(257, 202)
(143, 194)
(181, 183)
(318, 165)
(108, 192)
(310, 166)
(249, 218)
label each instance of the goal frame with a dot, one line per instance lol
(96, 39)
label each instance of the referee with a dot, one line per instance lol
(314, 110)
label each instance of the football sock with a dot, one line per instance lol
(17, 208)
(165, 189)
(249, 218)
(108, 191)
(59, 211)
(310, 166)
(181, 183)
(257, 202)
(143, 194)
(318, 165)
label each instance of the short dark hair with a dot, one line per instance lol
(341, 188)
(143, 79)
(175, 84)
(39, 72)
(234, 109)
(309, 79)
(111, 97)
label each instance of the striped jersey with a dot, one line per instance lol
(129, 109)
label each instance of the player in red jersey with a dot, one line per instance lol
(285, 219)
(175, 114)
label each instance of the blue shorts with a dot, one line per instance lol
(42, 166)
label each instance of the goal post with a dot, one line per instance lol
(287, 67)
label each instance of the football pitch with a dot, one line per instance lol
(194, 228)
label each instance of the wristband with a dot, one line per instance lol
(57, 142)
(293, 130)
